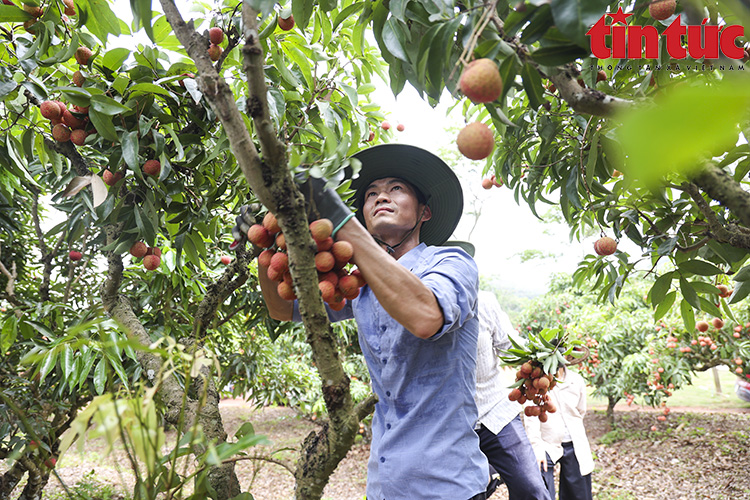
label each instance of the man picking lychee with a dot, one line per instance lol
(417, 321)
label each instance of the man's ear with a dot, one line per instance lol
(427, 215)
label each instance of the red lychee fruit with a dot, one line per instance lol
(605, 246)
(348, 285)
(264, 259)
(496, 182)
(280, 262)
(280, 241)
(226, 260)
(601, 75)
(270, 223)
(259, 236)
(152, 167)
(324, 245)
(214, 52)
(385, 125)
(75, 255)
(78, 137)
(342, 252)
(139, 249)
(153, 251)
(151, 262)
(702, 326)
(70, 8)
(487, 184)
(72, 121)
(216, 35)
(661, 9)
(61, 133)
(83, 55)
(476, 141)
(34, 10)
(286, 291)
(327, 290)
(286, 23)
(718, 323)
(110, 178)
(400, 127)
(324, 261)
(321, 229)
(481, 81)
(50, 462)
(50, 110)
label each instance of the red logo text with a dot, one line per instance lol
(636, 42)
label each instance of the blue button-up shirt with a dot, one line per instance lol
(423, 442)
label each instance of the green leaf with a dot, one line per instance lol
(557, 55)
(688, 315)
(142, 16)
(130, 149)
(302, 10)
(107, 106)
(9, 333)
(100, 376)
(393, 39)
(690, 125)
(532, 84)
(538, 26)
(103, 125)
(688, 292)
(573, 18)
(699, 267)
(113, 59)
(346, 13)
(709, 307)
(743, 274)
(12, 14)
(740, 292)
(100, 19)
(665, 305)
(660, 288)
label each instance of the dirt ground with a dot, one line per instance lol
(694, 454)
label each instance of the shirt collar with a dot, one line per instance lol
(410, 258)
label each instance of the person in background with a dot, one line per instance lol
(562, 439)
(502, 436)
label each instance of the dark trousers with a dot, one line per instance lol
(573, 486)
(511, 454)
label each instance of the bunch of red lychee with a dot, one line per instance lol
(215, 36)
(335, 282)
(151, 255)
(67, 124)
(534, 388)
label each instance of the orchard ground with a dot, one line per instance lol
(697, 453)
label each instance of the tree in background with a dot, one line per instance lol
(631, 355)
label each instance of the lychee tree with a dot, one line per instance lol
(585, 134)
(174, 140)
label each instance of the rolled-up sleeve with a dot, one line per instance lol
(454, 280)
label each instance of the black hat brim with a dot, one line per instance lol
(427, 172)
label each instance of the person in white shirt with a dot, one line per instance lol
(502, 437)
(562, 439)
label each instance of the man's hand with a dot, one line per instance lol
(244, 220)
(325, 202)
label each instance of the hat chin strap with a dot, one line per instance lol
(392, 249)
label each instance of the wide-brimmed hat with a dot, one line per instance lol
(426, 172)
(463, 245)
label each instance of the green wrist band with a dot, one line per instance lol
(346, 219)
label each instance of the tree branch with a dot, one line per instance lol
(720, 186)
(732, 234)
